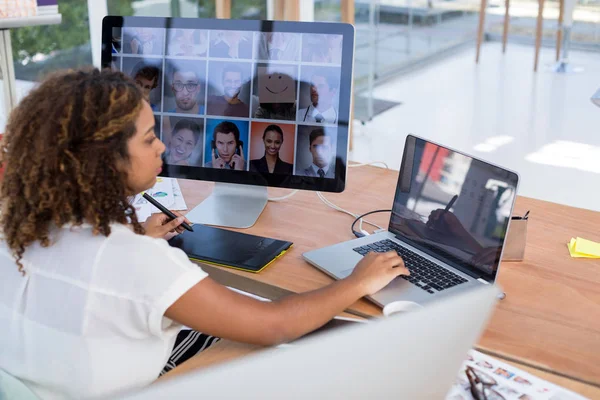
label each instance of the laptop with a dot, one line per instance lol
(415, 355)
(449, 220)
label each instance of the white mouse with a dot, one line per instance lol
(400, 306)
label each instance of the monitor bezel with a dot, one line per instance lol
(336, 184)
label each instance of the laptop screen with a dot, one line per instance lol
(453, 207)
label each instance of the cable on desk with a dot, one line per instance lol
(335, 207)
(329, 204)
(360, 217)
(370, 163)
(340, 209)
(287, 196)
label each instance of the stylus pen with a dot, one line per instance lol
(448, 207)
(451, 203)
(166, 211)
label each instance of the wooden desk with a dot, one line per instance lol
(549, 319)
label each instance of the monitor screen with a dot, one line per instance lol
(250, 102)
(453, 206)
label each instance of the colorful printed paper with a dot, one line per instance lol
(166, 191)
(503, 381)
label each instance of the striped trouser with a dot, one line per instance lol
(188, 344)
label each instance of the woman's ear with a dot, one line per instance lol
(123, 167)
(121, 164)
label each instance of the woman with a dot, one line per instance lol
(185, 137)
(92, 300)
(270, 162)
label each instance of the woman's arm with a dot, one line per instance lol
(215, 310)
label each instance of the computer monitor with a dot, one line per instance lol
(246, 104)
(415, 355)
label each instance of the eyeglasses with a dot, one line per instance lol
(481, 385)
(190, 87)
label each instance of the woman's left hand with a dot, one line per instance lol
(160, 226)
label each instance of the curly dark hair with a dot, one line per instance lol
(60, 152)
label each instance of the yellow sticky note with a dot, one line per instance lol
(587, 247)
(582, 248)
(571, 246)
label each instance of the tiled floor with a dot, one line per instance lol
(542, 125)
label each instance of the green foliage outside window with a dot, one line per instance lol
(39, 50)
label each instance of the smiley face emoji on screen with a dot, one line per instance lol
(276, 85)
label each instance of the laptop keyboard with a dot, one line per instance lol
(423, 273)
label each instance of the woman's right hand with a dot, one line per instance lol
(376, 270)
(161, 226)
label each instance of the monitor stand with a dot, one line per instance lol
(231, 205)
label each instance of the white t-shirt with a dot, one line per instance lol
(87, 318)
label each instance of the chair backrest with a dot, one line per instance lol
(13, 389)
